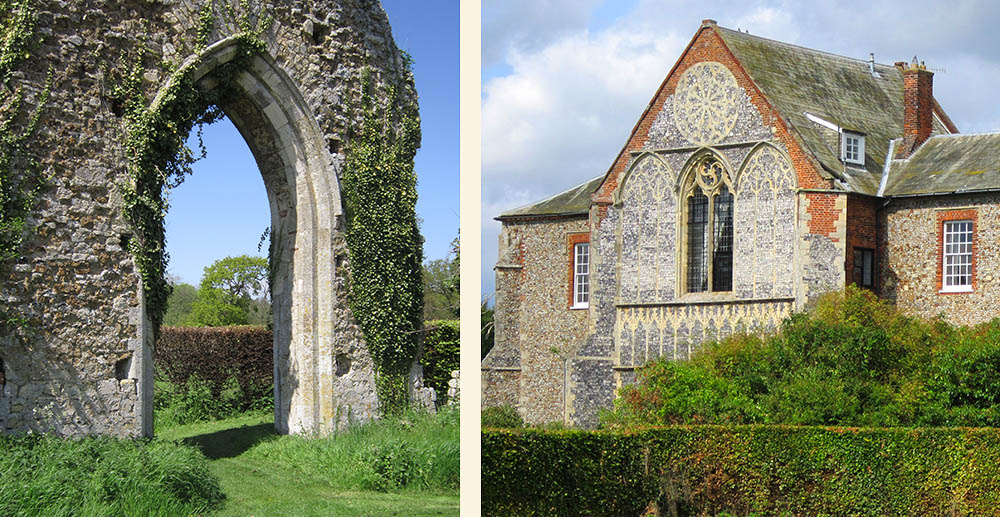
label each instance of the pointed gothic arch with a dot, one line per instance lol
(313, 393)
(705, 203)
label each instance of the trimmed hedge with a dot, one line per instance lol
(772, 470)
(441, 355)
(215, 354)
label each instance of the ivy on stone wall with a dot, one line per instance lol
(386, 250)
(154, 144)
(19, 178)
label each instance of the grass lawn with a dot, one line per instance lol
(259, 484)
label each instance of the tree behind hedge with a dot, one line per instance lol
(852, 360)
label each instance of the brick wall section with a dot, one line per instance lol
(861, 231)
(824, 213)
(969, 214)
(909, 263)
(707, 45)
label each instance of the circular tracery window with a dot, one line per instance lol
(705, 103)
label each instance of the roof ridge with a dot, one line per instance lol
(956, 135)
(793, 45)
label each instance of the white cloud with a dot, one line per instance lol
(513, 26)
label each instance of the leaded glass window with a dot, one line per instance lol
(697, 242)
(709, 229)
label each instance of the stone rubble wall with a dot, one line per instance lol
(82, 363)
(909, 263)
(532, 345)
(454, 388)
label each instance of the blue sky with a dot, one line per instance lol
(564, 81)
(221, 209)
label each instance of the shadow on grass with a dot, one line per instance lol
(230, 443)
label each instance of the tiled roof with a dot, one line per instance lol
(841, 90)
(575, 201)
(946, 164)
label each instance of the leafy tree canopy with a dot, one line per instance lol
(241, 277)
(179, 304)
(233, 291)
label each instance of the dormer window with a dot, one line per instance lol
(852, 148)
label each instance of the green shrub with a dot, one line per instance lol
(500, 417)
(46, 475)
(742, 470)
(196, 401)
(852, 360)
(391, 465)
(441, 355)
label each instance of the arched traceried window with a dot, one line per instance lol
(708, 221)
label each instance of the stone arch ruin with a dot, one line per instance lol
(83, 362)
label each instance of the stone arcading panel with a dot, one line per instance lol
(675, 331)
(648, 232)
(764, 226)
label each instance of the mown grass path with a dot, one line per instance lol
(258, 486)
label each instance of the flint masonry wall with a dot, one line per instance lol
(909, 264)
(82, 362)
(532, 351)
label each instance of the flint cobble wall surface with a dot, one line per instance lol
(548, 331)
(81, 362)
(910, 261)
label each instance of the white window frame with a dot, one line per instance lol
(859, 158)
(960, 251)
(581, 275)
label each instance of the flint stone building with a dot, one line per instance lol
(760, 176)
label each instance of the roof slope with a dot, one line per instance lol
(838, 89)
(575, 201)
(946, 164)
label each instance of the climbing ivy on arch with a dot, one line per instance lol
(386, 250)
(154, 144)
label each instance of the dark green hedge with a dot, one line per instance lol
(215, 354)
(440, 356)
(770, 470)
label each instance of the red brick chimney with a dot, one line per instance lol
(918, 105)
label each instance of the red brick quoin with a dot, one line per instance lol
(572, 241)
(970, 214)
(823, 213)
